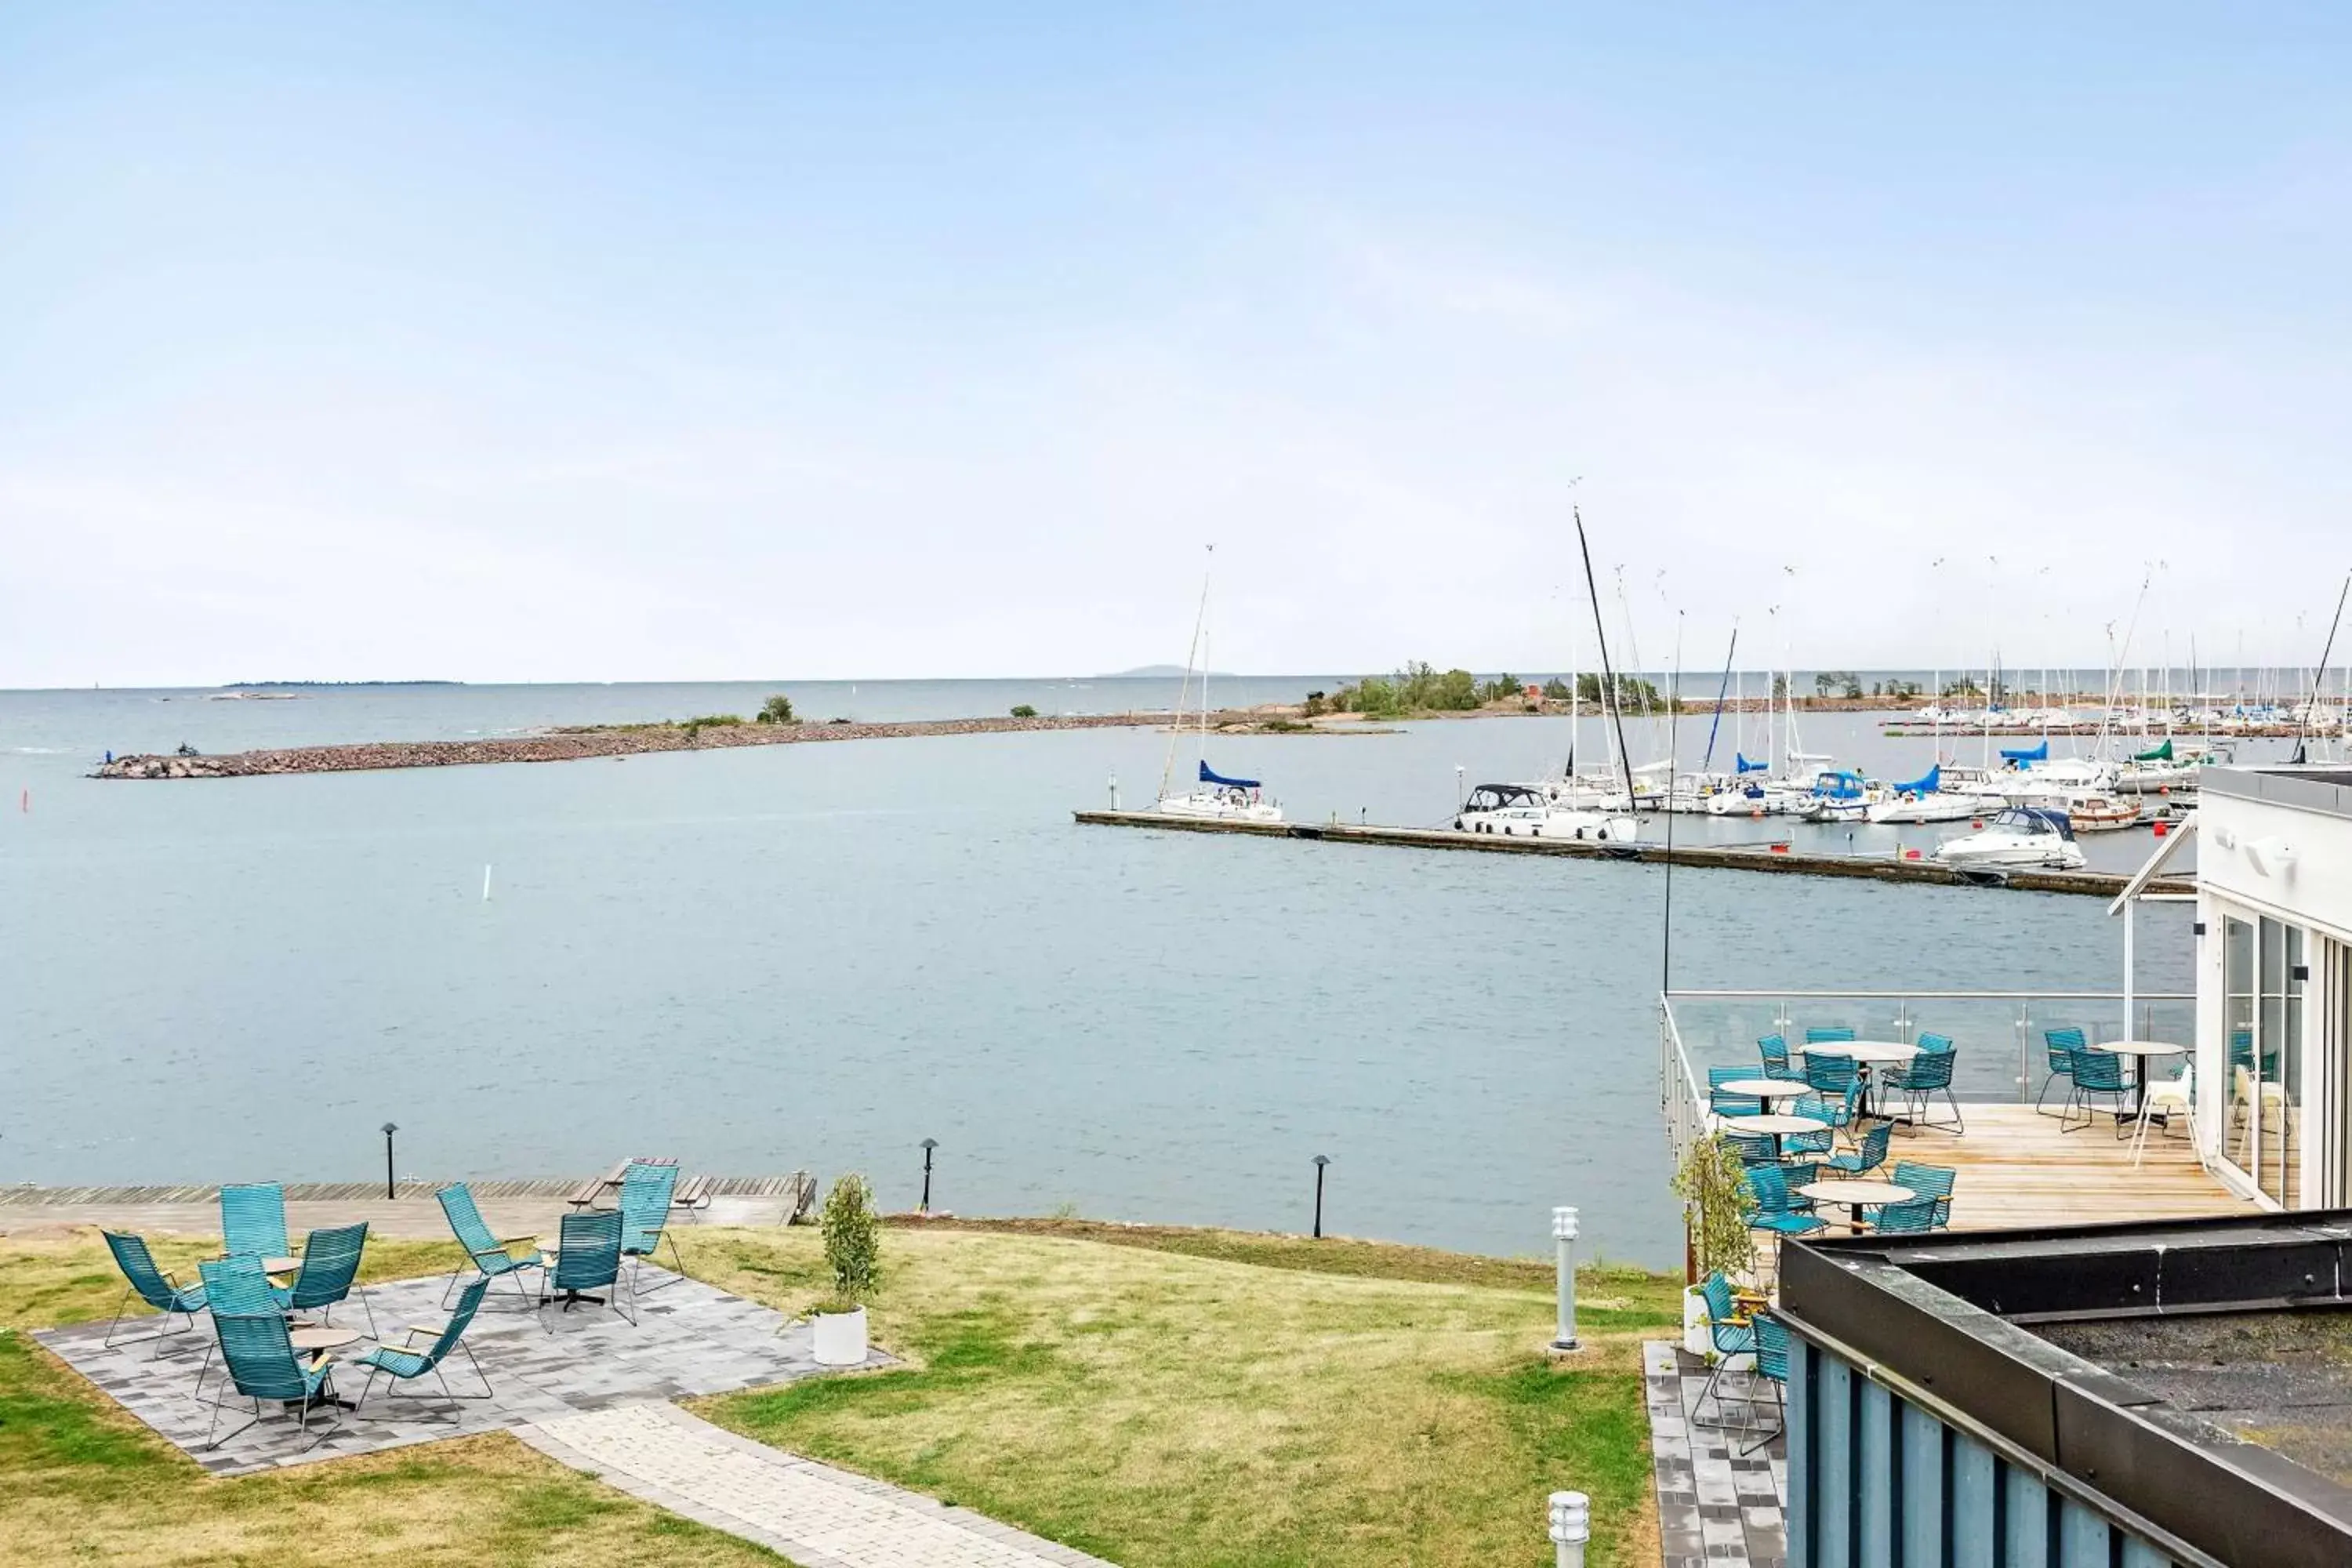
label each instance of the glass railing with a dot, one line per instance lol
(2002, 1055)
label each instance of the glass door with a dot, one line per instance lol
(2238, 1019)
(2264, 975)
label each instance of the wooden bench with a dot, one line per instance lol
(587, 1193)
(694, 1194)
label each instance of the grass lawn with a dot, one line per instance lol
(1198, 1399)
(1154, 1395)
(80, 1481)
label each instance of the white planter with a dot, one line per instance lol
(838, 1339)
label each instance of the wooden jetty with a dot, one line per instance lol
(2016, 1168)
(1736, 857)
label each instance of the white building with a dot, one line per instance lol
(2273, 964)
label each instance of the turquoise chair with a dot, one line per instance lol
(1916, 1218)
(2096, 1073)
(253, 1220)
(237, 1288)
(1728, 1330)
(152, 1285)
(1824, 1037)
(403, 1365)
(1924, 1076)
(1830, 1074)
(2061, 1046)
(1772, 1366)
(331, 1263)
(261, 1364)
(1775, 1052)
(1868, 1154)
(588, 1257)
(1724, 1104)
(493, 1257)
(646, 1188)
(1930, 1182)
(1774, 1207)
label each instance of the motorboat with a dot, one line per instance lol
(1840, 794)
(1221, 799)
(1527, 811)
(2165, 768)
(2092, 811)
(2016, 837)
(2030, 778)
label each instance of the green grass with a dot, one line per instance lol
(1207, 1398)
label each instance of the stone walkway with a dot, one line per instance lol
(817, 1516)
(1717, 1508)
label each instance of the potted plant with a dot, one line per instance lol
(1711, 1183)
(853, 1245)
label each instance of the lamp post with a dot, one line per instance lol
(928, 1144)
(1563, 1233)
(1571, 1527)
(1321, 1161)
(389, 1128)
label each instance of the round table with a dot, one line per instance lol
(280, 1265)
(321, 1338)
(2145, 1050)
(1855, 1197)
(1766, 1088)
(1776, 1127)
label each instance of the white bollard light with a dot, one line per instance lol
(1571, 1527)
(1563, 1233)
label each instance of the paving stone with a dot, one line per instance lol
(1715, 1506)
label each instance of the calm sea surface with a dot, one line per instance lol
(818, 955)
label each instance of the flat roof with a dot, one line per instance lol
(2314, 786)
(2184, 1377)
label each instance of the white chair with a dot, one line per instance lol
(2274, 1098)
(2167, 1097)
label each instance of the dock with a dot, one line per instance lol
(411, 1213)
(2016, 1168)
(1766, 858)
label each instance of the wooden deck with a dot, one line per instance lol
(2017, 1169)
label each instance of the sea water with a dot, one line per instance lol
(816, 956)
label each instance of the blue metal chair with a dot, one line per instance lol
(331, 1262)
(1774, 1207)
(2061, 1045)
(1869, 1153)
(261, 1364)
(493, 1257)
(1772, 1366)
(1724, 1104)
(1775, 1052)
(1753, 1148)
(1824, 1037)
(646, 1188)
(1930, 1182)
(1817, 1109)
(1830, 1074)
(403, 1365)
(588, 1257)
(2096, 1073)
(1914, 1217)
(152, 1285)
(236, 1287)
(1921, 1078)
(253, 1220)
(1728, 1330)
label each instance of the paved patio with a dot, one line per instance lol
(1717, 1508)
(690, 1339)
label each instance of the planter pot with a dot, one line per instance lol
(838, 1339)
(1697, 1339)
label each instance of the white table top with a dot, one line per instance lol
(2140, 1048)
(1765, 1088)
(1775, 1123)
(1850, 1193)
(324, 1338)
(1863, 1050)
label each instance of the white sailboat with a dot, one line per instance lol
(1213, 797)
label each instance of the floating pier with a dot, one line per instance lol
(1735, 858)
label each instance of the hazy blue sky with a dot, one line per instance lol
(560, 342)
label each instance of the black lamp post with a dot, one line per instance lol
(928, 1144)
(1320, 1161)
(388, 1131)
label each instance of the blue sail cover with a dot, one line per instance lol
(2039, 753)
(1926, 783)
(1208, 777)
(1747, 767)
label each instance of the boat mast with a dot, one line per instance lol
(1612, 712)
(1708, 761)
(1176, 730)
(2303, 730)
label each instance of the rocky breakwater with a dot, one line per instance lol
(570, 745)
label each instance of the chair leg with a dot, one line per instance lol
(369, 1307)
(211, 1442)
(1780, 1403)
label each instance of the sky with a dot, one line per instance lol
(548, 341)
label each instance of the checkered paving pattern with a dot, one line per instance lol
(1717, 1508)
(543, 1364)
(815, 1514)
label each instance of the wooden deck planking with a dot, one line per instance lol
(2016, 1168)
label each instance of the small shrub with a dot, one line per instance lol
(710, 720)
(838, 719)
(853, 1239)
(777, 710)
(1316, 702)
(1023, 710)
(1710, 1184)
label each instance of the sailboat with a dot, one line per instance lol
(1213, 795)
